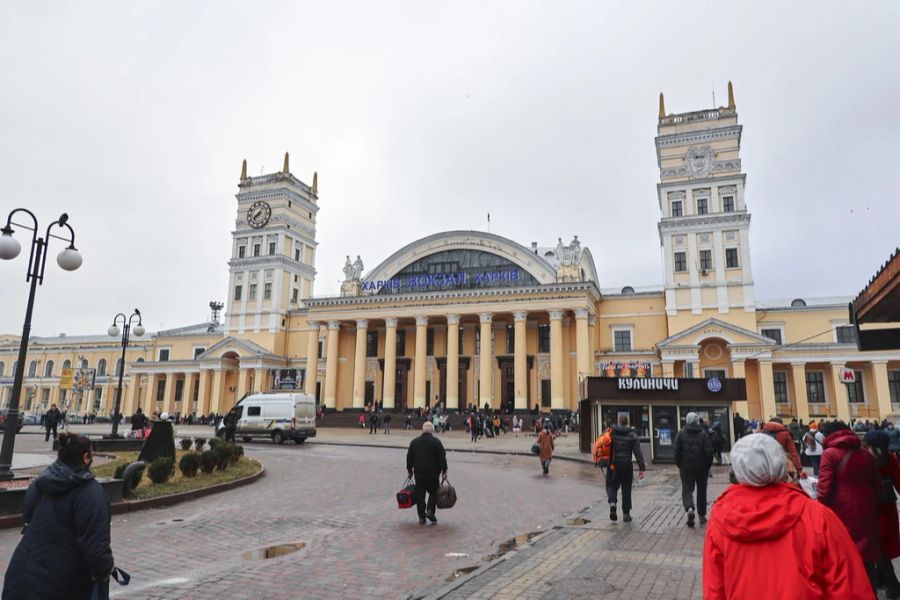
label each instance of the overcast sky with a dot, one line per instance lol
(421, 117)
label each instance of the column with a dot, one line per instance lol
(187, 394)
(882, 390)
(130, 395)
(485, 365)
(582, 344)
(150, 400)
(452, 362)
(739, 371)
(312, 357)
(521, 360)
(259, 379)
(557, 394)
(331, 364)
(419, 377)
(389, 385)
(767, 389)
(801, 400)
(841, 399)
(359, 364)
(218, 390)
(243, 385)
(203, 396)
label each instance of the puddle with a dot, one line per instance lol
(273, 551)
(576, 522)
(456, 555)
(460, 572)
(513, 544)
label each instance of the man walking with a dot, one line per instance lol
(620, 472)
(693, 456)
(387, 423)
(427, 459)
(51, 421)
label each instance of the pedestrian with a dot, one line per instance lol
(813, 446)
(65, 546)
(849, 485)
(762, 521)
(894, 437)
(782, 435)
(51, 422)
(620, 472)
(717, 439)
(373, 423)
(877, 443)
(740, 426)
(408, 421)
(693, 457)
(387, 423)
(545, 443)
(230, 421)
(426, 459)
(362, 421)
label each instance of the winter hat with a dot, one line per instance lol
(692, 418)
(878, 439)
(164, 416)
(758, 460)
(814, 426)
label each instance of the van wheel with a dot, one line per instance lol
(299, 440)
(246, 438)
(278, 437)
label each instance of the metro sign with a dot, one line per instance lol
(848, 376)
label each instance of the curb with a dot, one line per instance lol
(127, 506)
(467, 451)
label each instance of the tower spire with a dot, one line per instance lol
(662, 106)
(244, 170)
(315, 185)
(730, 96)
(286, 168)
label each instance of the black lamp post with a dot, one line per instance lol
(113, 331)
(68, 259)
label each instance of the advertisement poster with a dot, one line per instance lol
(286, 379)
(83, 379)
(66, 379)
(665, 437)
(637, 370)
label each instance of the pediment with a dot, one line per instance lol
(714, 328)
(243, 348)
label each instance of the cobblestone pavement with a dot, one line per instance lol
(339, 502)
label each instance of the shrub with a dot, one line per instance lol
(189, 464)
(135, 481)
(222, 454)
(208, 461)
(216, 443)
(199, 442)
(186, 444)
(237, 451)
(161, 469)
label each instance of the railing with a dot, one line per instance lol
(700, 115)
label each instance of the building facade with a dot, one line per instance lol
(464, 318)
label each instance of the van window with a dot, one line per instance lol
(253, 411)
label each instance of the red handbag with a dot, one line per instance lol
(406, 497)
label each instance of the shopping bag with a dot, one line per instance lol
(406, 497)
(535, 448)
(446, 495)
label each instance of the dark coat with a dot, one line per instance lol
(625, 443)
(693, 448)
(66, 540)
(853, 493)
(52, 417)
(426, 457)
(888, 521)
(717, 438)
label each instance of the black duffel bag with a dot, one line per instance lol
(446, 495)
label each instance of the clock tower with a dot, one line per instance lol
(273, 253)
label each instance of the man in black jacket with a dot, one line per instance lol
(693, 456)
(621, 472)
(427, 459)
(51, 421)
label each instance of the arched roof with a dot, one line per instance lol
(539, 268)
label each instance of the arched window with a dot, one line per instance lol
(2, 367)
(15, 366)
(48, 370)
(32, 368)
(84, 363)
(140, 359)
(798, 303)
(118, 367)
(101, 367)
(627, 290)
(67, 364)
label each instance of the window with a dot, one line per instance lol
(731, 258)
(461, 338)
(163, 354)
(198, 352)
(242, 251)
(781, 394)
(510, 339)
(84, 363)
(855, 392)
(267, 291)
(714, 373)
(688, 370)
(894, 386)
(237, 292)
(677, 209)
(815, 387)
(48, 369)
(297, 254)
(67, 364)
(251, 292)
(321, 349)
(478, 341)
(622, 340)
(706, 260)
(372, 344)
(295, 295)
(271, 248)
(545, 393)
(543, 337)
(702, 206)
(161, 390)
(2, 367)
(846, 334)
(255, 249)
(401, 343)
(680, 262)
(728, 203)
(101, 367)
(32, 369)
(254, 411)
(118, 367)
(773, 334)
(429, 342)
(179, 389)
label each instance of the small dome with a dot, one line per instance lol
(627, 290)
(549, 254)
(798, 303)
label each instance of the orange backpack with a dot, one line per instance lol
(603, 449)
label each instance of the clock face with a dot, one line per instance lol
(258, 214)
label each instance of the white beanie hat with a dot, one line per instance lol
(758, 460)
(164, 416)
(692, 418)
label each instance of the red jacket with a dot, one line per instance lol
(853, 493)
(776, 542)
(784, 437)
(888, 522)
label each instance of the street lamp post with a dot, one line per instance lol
(113, 331)
(68, 259)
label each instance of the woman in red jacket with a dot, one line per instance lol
(877, 443)
(762, 525)
(849, 485)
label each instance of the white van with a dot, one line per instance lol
(275, 415)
